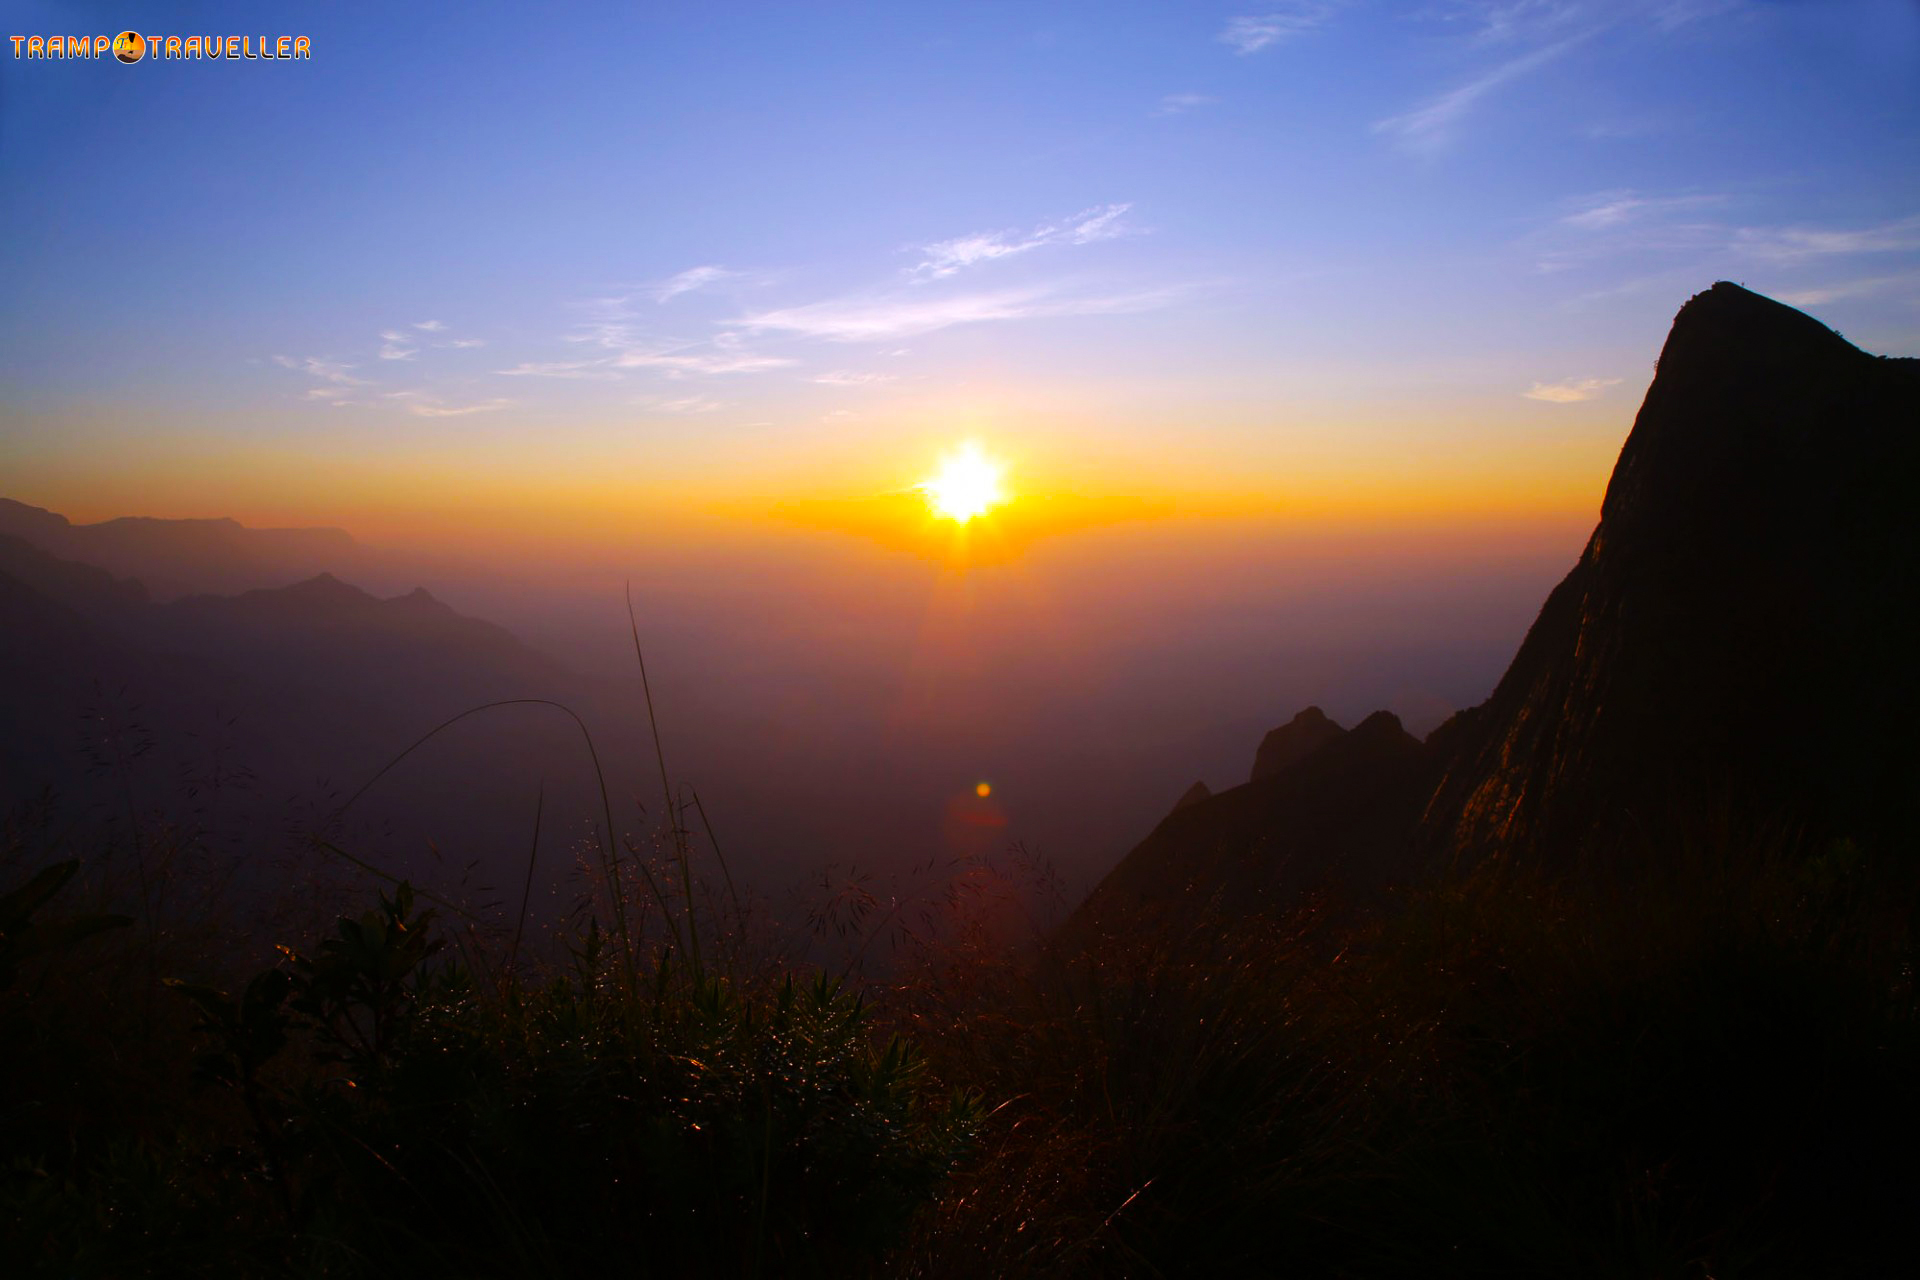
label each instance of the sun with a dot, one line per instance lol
(968, 485)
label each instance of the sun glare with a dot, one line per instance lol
(967, 485)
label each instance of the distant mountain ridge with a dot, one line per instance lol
(1293, 742)
(1740, 634)
(182, 557)
(303, 687)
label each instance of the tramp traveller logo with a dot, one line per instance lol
(134, 46)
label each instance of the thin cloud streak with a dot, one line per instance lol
(1552, 28)
(945, 258)
(1429, 128)
(684, 404)
(1610, 209)
(1175, 104)
(890, 318)
(1572, 391)
(1619, 224)
(677, 365)
(429, 408)
(844, 378)
(576, 369)
(724, 354)
(1822, 294)
(689, 281)
(326, 370)
(1787, 244)
(1251, 34)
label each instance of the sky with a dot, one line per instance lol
(1306, 332)
(463, 271)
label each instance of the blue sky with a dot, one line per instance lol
(1297, 249)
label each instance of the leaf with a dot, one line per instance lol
(17, 907)
(65, 933)
(215, 1005)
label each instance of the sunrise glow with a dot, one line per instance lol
(967, 485)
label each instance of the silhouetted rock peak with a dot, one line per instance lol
(24, 520)
(1735, 649)
(1293, 742)
(326, 596)
(1381, 726)
(80, 587)
(321, 586)
(1192, 795)
(1740, 623)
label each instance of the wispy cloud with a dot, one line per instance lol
(845, 378)
(1668, 14)
(1174, 104)
(1622, 224)
(889, 318)
(1516, 21)
(1607, 209)
(1251, 34)
(422, 405)
(690, 280)
(1786, 244)
(1819, 295)
(1542, 31)
(614, 331)
(401, 345)
(577, 369)
(949, 257)
(683, 404)
(325, 370)
(1625, 223)
(1429, 127)
(1494, 22)
(1569, 392)
(682, 362)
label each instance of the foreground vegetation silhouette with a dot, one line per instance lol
(1701, 1067)
(376, 1103)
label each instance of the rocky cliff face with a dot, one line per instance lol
(1741, 629)
(1293, 742)
(1334, 821)
(1740, 636)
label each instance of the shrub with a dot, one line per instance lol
(386, 1111)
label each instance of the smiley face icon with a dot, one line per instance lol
(129, 46)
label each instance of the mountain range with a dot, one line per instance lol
(182, 557)
(246, 716)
